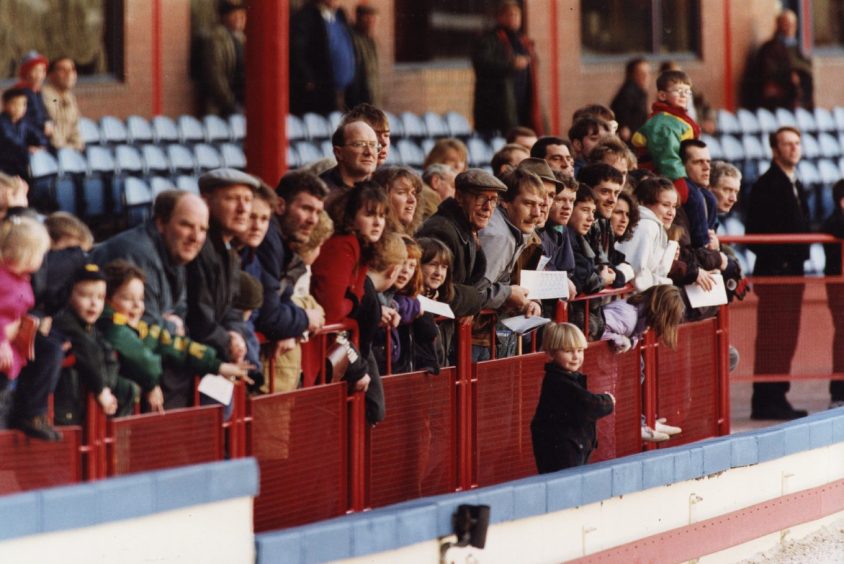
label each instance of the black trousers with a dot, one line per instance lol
(38, 378)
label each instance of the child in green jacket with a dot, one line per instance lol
(142, 348)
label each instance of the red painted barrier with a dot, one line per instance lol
(414, 454)
(178, 437)
(301, 442)
(28, 464)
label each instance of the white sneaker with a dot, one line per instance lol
(663, 427)
(652, 436)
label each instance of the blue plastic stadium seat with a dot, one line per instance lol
(413, 125)
(155, 161)
(785, 118)
(830, 148)
(293, 160)
(99, 185)
(496, 143)
(713, 145)
(237, 125)
(334, 119)
(747, 121)
(727, 123)
(89, 131)
(308, 152)
(811, 148)
(138, 130)
(187, 182)
(753, 148)
(190, 129)
(137, 200)
(181, 159)
(808, 173)
(838, 116)
(410, 153)
(428, 144)
(128, 160)
(112, 130)
(435, 125)
(824, 120)
(295, 128)
(317, 127)
(805, 120)
(232, 156)
(207, 157)
(44, 170)
(732, 148)
(216, 129)
(164, 130)
(159, 184)
(767, 121)
(72, 170)
(327, 149)
(458, 125)
(480, 154)
(829, 171)
(396, 126)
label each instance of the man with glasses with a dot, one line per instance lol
(457, 223)
(377, 120)
(356, 149)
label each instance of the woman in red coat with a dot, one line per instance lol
(339, 282)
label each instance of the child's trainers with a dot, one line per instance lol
(653, 436)
(38, 427)
(664, 427)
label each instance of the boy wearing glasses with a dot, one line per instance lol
(658, 141)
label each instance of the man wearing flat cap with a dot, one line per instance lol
(457, 223)
(213, 277)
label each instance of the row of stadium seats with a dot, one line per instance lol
(161, 130)
(745, 121)
(212, 129)
(405, 151)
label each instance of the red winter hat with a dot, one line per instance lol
(30, 60)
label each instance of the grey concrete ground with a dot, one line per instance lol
(805, 394)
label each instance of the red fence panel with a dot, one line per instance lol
(687, 383)
(506, 393)
(28, 464)
(619, 374)
(301, 442)
(413, 452)
(141, 443)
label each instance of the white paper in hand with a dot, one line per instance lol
(698, 297)
(217, 387)
(521, 324)
(545, 284)
(435, 307)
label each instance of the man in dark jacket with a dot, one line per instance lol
(785, 73)
(214, 274)
(778, 205)
(301, 195)
(456, 224)
(322, 58)
(505, 73)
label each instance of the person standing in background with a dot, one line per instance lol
(366, 86)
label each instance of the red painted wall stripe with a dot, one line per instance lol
(730, 529)
(555, 69)
(729, 91)
(157, 95)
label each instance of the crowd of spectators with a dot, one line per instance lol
(235, 279)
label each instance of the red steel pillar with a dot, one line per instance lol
(267, 82)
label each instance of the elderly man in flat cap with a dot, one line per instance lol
(212, 278)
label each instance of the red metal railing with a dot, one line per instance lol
(469, 426)
(815, 314)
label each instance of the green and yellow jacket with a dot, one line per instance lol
(143, 350)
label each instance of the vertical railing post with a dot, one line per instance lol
(723, 369)
(358, 475)
(650, 404)
(465, 423)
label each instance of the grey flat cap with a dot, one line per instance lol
(478, 180)
(226, 177)
(541, 169)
